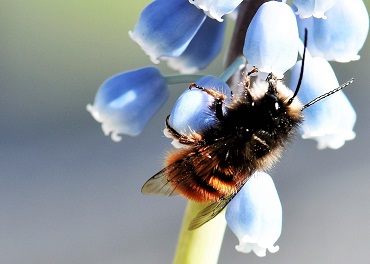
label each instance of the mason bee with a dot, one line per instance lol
(251, 131)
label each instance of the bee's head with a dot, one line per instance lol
(274, 100)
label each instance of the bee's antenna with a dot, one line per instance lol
(344, 85)
(302, 68)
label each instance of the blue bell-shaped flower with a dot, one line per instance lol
(341, 36)
(125, 102)
(271, 42)
(192, 112)
(255, 215)
(165, 28)
(202, 49)
(330, 121)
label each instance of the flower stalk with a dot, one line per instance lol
(182, 78)
(203, 244)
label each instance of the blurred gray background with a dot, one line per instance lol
(68, 194)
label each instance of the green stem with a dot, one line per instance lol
(203, 244)
(233, 68)
(189, 78)
(184, 78)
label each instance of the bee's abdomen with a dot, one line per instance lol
(207, 188)
(222, 181)
(203, 180)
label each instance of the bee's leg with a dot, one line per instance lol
(215, 94)
(254, 70)
(247, 84)
(218, 96)
(183, 139)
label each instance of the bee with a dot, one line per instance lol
(251, 131)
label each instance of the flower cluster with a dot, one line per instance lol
(188, 35)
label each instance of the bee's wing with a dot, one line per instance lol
(159, 184)
(178, 173)
(210, 212)
(214, 209)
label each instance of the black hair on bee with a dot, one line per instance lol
(251, 132)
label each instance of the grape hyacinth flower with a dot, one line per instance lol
(180, 34)
(165, 28)
(330, 122)
(192, 112)
(339, 43)
(255, 215)
(125, 102)
(271, 42)
(202, 49)
(189, 34)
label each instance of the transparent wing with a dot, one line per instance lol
(213, 209)
(160, 184)
(210, 212)
(181, 172)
